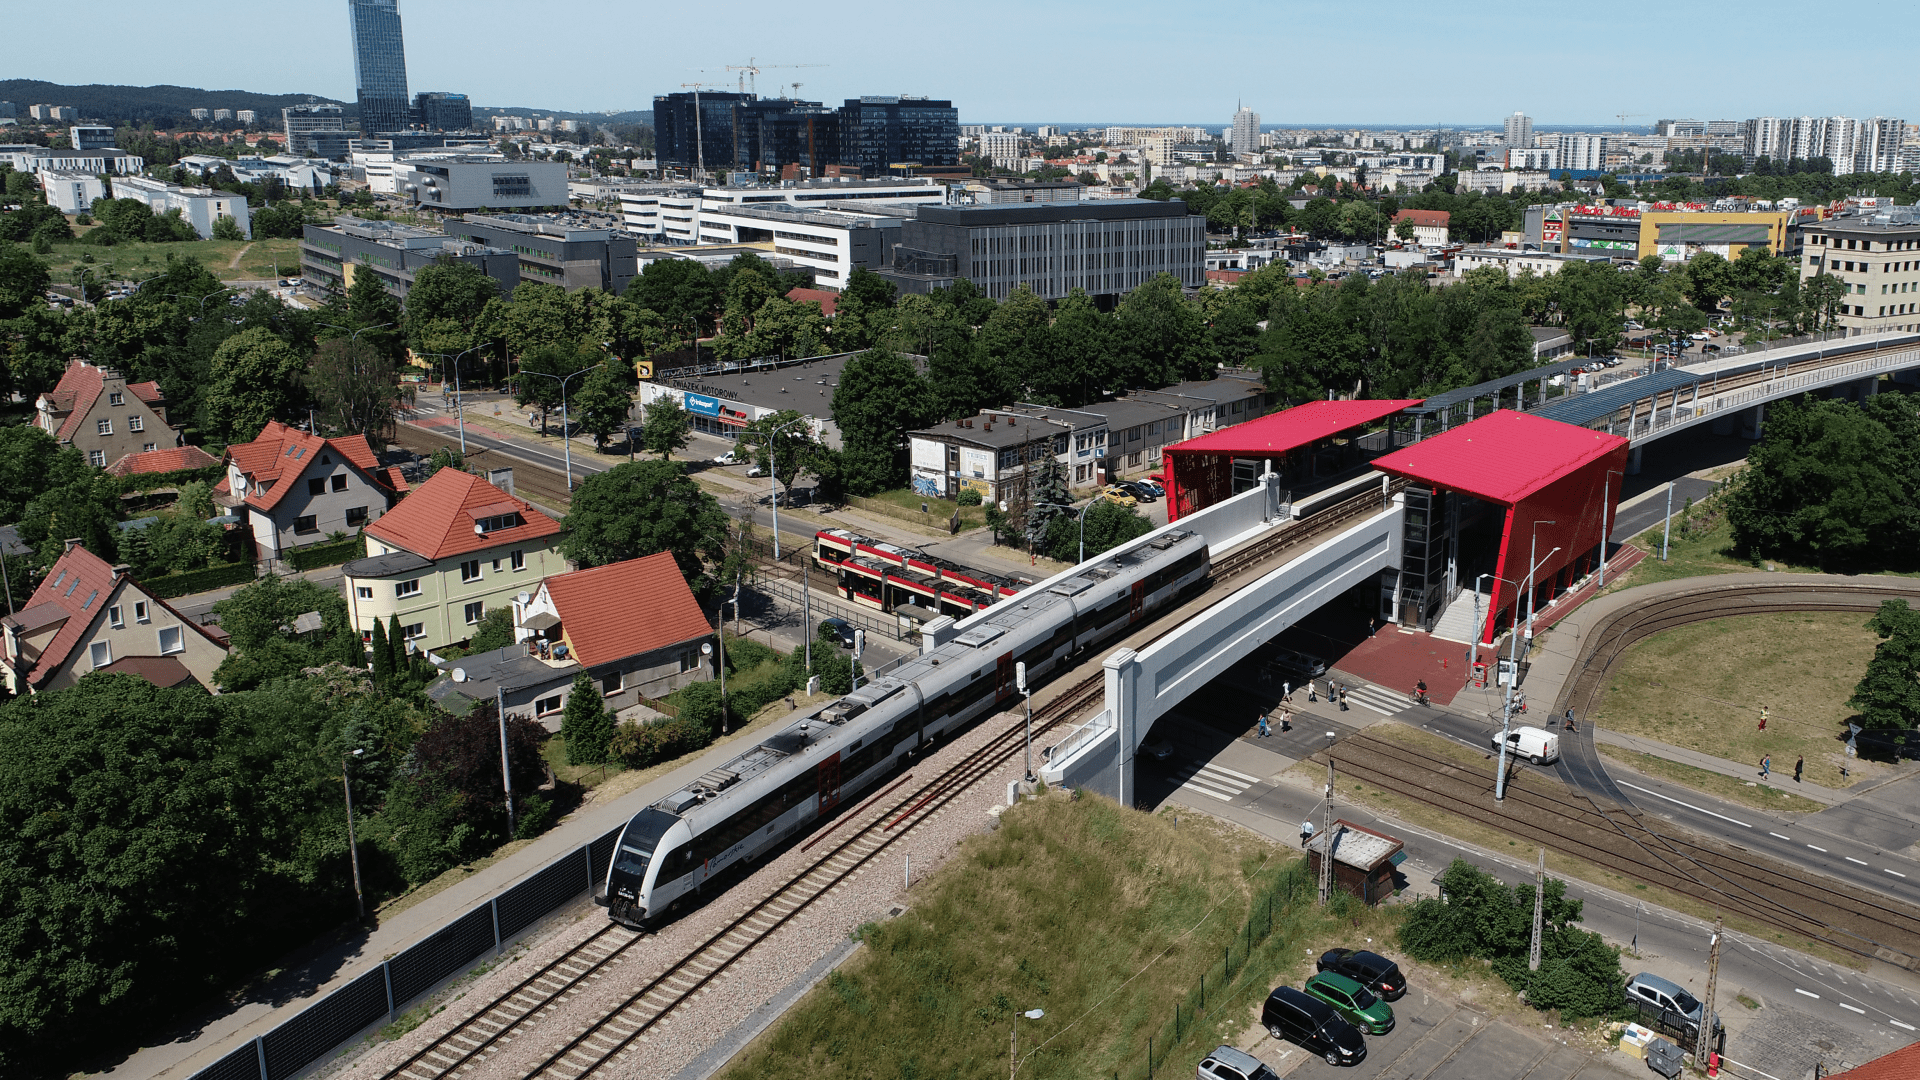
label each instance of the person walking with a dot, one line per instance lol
(1799, 766)
(1286, 720)
(1313, 690)
(1343, 697)
(1763, 718)
(1306, 832)
(1263, 726)
(1766, 767)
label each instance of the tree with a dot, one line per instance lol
(602, 403)
(23, 280)
(355, 386)
(31, 463)
(880, 397)
(1108, 525)
(495, 631)
(1403, 229)
(447, 291)
(226, 228)
(1888, 695)
(682, 292)
(585, 724)
(645, 507)
(665, 427)
(382, 655)
(370, 309)
(460, 755)
(259, 621)
(255, 376)
(542, 371)
(782, 444)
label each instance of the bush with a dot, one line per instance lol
(536, 813)
(329, 554)
(586, 725)
(193, 581)
(968, 497)
(640, 745)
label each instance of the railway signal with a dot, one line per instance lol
(1326, 830)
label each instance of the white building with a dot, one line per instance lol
(1000, 147)
(90, 137)
(1531, 158)
(1245, 139)
(1584, 153)
(292, 171)
(1880, 141)
(71, 193)
(832, 242)
(1513, 262)
(673, 213)
(201, 207)
(1519, 129)
(223, 114)
(246, 116)
(33, 159)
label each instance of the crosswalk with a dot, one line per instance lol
(1216, 781)
(1377, 698)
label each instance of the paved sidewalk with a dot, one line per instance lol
(1738, 770)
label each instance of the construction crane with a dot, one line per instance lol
(796, 91)
(1625, 116)
(749, 72)
(699, 141)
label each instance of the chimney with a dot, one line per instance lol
(121, 570)
(501, 478)
(71, 543)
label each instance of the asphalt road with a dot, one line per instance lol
(1650, 507)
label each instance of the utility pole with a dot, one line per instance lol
(1666, 530)
(1539, 903)
(1706, 1043)
(506, 769)
(1326, 831)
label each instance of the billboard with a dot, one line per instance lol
(700, 405)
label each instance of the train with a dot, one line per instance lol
(893, 579)
(735, 814)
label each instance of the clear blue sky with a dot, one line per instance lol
(1391, 62)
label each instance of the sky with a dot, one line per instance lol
(1116, 61)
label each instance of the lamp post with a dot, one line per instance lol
(353, 848)
(459, 413)
(1083, 521)
(355, 335)
(566, 440)
(506, 765)
(1513, 678)
(773, 479)
(1533, 545)
(1013, 1052)
(202, 300)
(706, 647)
(1020, 680)
(1606, 498)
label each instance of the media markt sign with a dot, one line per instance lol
(703, 406)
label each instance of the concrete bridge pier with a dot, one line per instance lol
(1722, 423)
(1633, 461)
(1753, 421)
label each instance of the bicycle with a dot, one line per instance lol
(1420, 695)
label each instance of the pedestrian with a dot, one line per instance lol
(1263, 726)
(1763, 718)
(1766, 767)
(1313, 690)
(1306, 832)
(1799, 766)
(1569, 719)
(1343, 697)
(1286, 720)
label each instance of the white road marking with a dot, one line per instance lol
(1895, 873)
(1212, 767)
(1851, 859)
(1898, 1024)
(1781, 837)
(1689, 806)
(1207, 791)
(1821, 850)
(1851, 1008)
(1809, 993)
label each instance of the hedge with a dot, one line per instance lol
(329, 554)
(213, 577)
(138, 482)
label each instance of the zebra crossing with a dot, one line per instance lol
(1216, 781)
(1377, 698)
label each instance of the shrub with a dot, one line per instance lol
(586, 725)
(968, 497)
(641, 745)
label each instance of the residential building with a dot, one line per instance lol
(90, 137)
(1245, 139)
(1769, 137)
(880, 135)
(330, 255)
(559, 249)
(1581, 153)
(1429, 226)
(222, 114)
(201, 207)
(379, 65)
(1876, 257)
(1549, 344)
(200, 114)
(721, 403)
(98, 412)
(317, 129)
(53, 114)
(1519, 130)
(453, 548)
(1137, 429)
(33, 159)
(1107, 247)
(470, 181)
(167, 460)
(87, 616)
(246, 116)
(293, 488)
(1210, 404)
(1512, 261)
(1531, 158)
(1502, 181)
(438, 110)
(71, 192)
(1879, 145)
(1001, 147)
(990, 453)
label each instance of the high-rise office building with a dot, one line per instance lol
(379, 65)
(315, 130)
(741, 131)
(877, 133)
(437, 110)
(710, 139)
(1519, 130)
(1246, 132)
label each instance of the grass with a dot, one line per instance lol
(938, 510)
(1105, 918)
(1312, 775)
(1702, 686)
(1745, 792)
(138, 260)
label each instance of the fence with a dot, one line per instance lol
(378, 996)
(939, 512)
(790, 591)
(1778, 387)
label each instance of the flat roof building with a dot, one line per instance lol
(469, 182)
(1872, 257)
(830, 242)
(558, 249)
(332, 255)
(317, 129)
(201, 207)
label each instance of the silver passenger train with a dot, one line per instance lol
(742, 810)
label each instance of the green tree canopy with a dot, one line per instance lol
(1888, 695)
(880, 397)
(263, 646)
(356, 387)
(665, 427)
(585, 724)
(645, 507)
(449, 291)
(255, 377)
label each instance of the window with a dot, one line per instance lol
(519, 560)
(610, 685)
(410, 587)
(134, 423)
(364, 592)
(308, 523)
(414, 630)
(496, 523)
(149, 447)
(475, 612)
(172, 641)
(317, 485)
(104, 427)
(547, 705)
(340, 482)
(470, 570)
(496, 566)
(113, 617)
(100, 654)
(116, 398)
(690, 660)
(356, 517)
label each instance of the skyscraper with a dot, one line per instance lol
(1246, 132)
(1519, 130)
(379, 65)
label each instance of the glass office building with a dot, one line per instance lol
(380, 65)
(877, 133)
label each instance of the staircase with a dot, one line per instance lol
(1457, 622)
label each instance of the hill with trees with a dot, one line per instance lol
(163, 106)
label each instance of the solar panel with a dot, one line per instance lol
(1584, 409)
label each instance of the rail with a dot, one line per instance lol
(1782, 385)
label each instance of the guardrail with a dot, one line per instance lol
(791, 592)
(1778, 387)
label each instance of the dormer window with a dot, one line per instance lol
(497, 522)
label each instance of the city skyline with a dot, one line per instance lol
(889, 56)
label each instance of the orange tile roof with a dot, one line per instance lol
(626, 608)
(827, 300)
(282, 452)
(1902, 1064)
(436, 520)
(80, 584)
(148, 392)
(1427, 218)
(171, 459)
(78, 389)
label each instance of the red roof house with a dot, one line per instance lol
(97, 411)
(1902, 1064)
(827, 300)
(1429, 226)
(177, 459)
(297, 488)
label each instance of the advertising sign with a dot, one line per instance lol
(701, 405)
(968, 483)
(643, 369)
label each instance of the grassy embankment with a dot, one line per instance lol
(141, 260)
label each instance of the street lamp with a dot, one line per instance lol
(1606, 497)
(706, 649)
(353, 849)
(202, 300)
(1513, 679)
(1533, 545)
(566, 440)
(459, 413)
(1013, 1053)
(773, 479)
(355, 335)
(1020, 680)
(1083, 521)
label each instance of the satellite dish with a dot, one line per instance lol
(526, 598)
(477, 530)
(459, 674)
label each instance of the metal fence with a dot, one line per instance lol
(791, 592)
(1680, 413)
(380, 995)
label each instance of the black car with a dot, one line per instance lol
(1140, 491)
(1298, 1017)
(1371, 970)
(839, 630)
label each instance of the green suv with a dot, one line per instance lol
(1356, 1004)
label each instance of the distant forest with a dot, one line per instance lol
(161, 106)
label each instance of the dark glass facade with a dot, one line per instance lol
(674, 129)
(437, 111)
(740, 131)
(877, 133)
(380, 65)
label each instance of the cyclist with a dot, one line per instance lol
(1420, 692)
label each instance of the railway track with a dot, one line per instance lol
(877, 824)
(536, 482)
(1764, 374)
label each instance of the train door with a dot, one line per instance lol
(1004, 679)
(1136, 601)
(829, 775)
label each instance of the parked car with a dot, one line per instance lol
(1537, 745)
(727, 458)
(1140, 491)
(1160, 749)
(1305, 663)
(1300, 1018)
(839, 630)
(1227, 1063)
(1649, 991)
(1369, 969)
(1153, 485)
(1114, 493)
(1356, 1004)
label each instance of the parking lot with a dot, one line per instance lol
(1438, 1039)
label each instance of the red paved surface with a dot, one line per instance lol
(1396, 659)
(1623, 560)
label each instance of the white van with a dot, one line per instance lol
(1537, 745)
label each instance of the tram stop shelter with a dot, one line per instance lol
(1364, 861)
(1306, 445)
(1558, 485)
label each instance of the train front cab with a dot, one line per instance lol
(633, 856)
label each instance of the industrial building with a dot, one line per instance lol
(472, 181)
(332, 255)
(558, 249)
